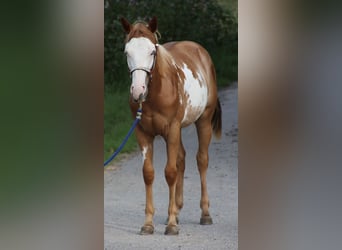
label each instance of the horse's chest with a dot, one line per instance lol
(155, 124)
(195, 96)
(158, 116)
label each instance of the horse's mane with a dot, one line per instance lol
(165, 60)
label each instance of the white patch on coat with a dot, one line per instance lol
(180, 95)
(144, 154)
(197, 92)
(139, 53)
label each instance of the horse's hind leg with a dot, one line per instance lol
(204, 131)
(180, 176)
(146, 146)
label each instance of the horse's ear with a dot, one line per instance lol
(152, 25)
(125, 24)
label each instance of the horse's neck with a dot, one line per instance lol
(165, 65)
(164, 78)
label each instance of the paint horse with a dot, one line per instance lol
(176, 84)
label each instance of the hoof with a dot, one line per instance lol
(171, 230)
(167, 220)
(206, 220)
(147, 230)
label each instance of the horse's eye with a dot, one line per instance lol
(153, 52)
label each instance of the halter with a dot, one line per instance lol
(148, 71)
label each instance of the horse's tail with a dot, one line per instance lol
(216, 121)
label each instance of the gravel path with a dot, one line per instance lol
(124, 193)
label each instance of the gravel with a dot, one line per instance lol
(124, 193)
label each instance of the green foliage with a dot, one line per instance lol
(203, 21)
(231, 5)
(226, 63)
(117, 121)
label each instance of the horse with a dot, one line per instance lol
(175, 84)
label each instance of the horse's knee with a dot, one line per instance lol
(148, 174)
(170, 175)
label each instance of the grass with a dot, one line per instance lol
(117, 122)
(117, 114)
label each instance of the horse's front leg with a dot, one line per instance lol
(146, 145)
(172, 142)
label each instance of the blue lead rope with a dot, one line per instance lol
(137, 119)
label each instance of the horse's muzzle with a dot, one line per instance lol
(142, 98)
(139, 92)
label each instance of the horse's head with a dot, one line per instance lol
(140, 49)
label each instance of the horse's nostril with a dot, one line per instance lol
(143, 87)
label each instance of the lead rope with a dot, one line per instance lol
(137, 119)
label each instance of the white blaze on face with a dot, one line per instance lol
(197, 93)
(139, 53)
(144, 153)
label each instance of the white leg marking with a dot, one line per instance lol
(144, 154)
